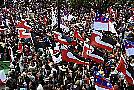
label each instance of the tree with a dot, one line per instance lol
(77, 4)
(101, 4)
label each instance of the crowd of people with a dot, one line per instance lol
(35, 68)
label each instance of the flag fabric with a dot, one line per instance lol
(22, 33)
(100, 26)
(101, 83)
(101, 23)
(70, 57)
(96, 40)
(111, 28)
(104, 24)
(22, 27)
(23, 24)
(93, 53)
(2, 77)
(129, 47)
(58, 38)
(106, 37)
(122, 67)
(77, 35)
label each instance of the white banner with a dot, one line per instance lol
(100, 26)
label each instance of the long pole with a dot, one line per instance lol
(58, 5)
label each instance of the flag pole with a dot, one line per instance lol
(58, 7)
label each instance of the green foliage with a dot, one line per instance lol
(76, 4)
(101, 4)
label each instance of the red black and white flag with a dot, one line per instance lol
(122, 67)
(93, 54)
(23, 24)
(23, 34)
(102, 41)
(58, 38)
(68, 56)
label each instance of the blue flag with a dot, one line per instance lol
(101, 83)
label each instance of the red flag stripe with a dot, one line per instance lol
(68, 57)
(58, 38)
(122, 68)
(22, 34)
(87, 53)
(96, 41)
(22, 24)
